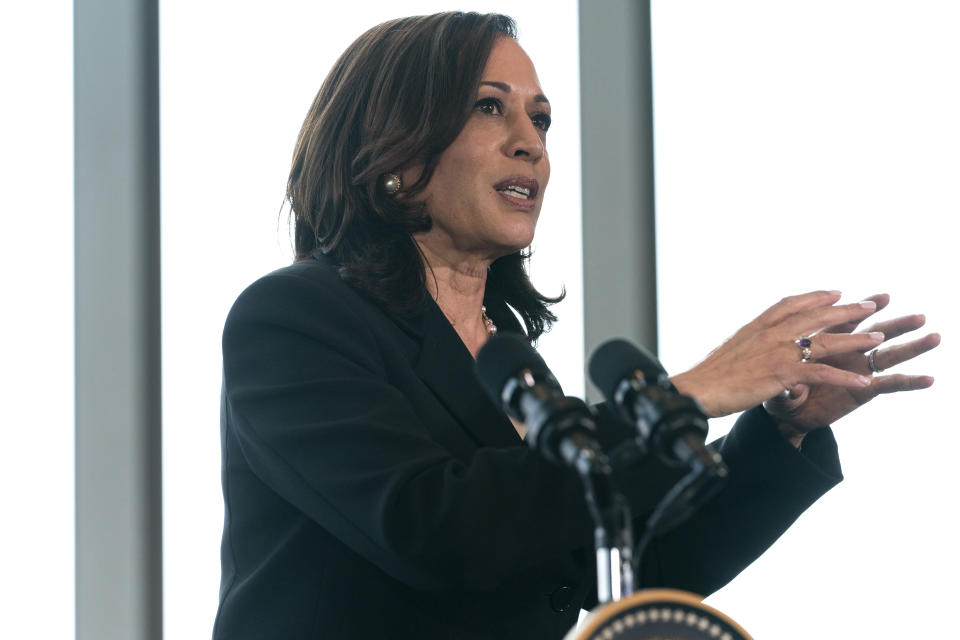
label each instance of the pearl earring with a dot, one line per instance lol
(390, 183)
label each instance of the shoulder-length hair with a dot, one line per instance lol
(397, 97)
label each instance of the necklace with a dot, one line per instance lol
(487, 322)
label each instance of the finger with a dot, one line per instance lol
(792, 305)
(900, 382)
(814, 373)
(809, 322)
(787, 401)
(798, 392)
(880, 299)
(892, 356)
(899, 326)
(828, 344)
(795, 395)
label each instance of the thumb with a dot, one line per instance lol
(798, 392)
(789, 401)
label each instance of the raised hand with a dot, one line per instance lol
(763, 359)
(806, 406)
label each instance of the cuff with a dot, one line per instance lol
(757, 437)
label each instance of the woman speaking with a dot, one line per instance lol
(372, 489)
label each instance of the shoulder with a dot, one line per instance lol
(303, 292)
(317, 278)
(297, 306)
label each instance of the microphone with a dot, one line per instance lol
(674, 425)
(560, 427)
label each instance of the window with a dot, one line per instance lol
(812, 146)
(37, 323)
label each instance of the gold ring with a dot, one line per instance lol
(804, 343)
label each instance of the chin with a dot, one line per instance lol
(519, 236)
(515, 246)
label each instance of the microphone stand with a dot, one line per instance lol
(618, 561)
(613, 529)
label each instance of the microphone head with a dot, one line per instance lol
(503, 357)
(617, 359)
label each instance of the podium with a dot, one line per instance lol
(657, 614)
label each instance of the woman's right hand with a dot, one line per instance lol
(763, 358)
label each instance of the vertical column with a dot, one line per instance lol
(118, 500)
(619, 241)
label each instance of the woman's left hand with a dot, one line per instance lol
(806, 407)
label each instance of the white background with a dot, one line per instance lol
(36, 320)
(808, 145)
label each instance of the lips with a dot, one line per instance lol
(519, 188)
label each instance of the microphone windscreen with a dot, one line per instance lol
(502, 357)
(617, 359)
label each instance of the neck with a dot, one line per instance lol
(457, 285)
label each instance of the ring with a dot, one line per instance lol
(804, 343)
(872, 361)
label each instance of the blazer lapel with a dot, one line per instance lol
(447, 367)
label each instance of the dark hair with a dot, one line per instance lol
(398, 96)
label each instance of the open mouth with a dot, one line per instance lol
(517, 192)
(518, 187)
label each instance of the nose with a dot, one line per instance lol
(525, 140)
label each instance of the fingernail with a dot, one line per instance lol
(869, 304)
(864, 381)
(835, 293)
(876, 336)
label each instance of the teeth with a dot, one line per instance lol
(517, 192)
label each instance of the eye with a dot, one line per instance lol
(489, 106)
(541, 121)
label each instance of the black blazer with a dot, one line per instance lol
(372, 490)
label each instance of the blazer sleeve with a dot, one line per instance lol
(770, 484)
(308, 396)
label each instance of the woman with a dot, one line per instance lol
(371, 488)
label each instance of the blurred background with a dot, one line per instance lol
(796, 146)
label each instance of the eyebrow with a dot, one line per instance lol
(503, 86)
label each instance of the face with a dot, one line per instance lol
(484, 196)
